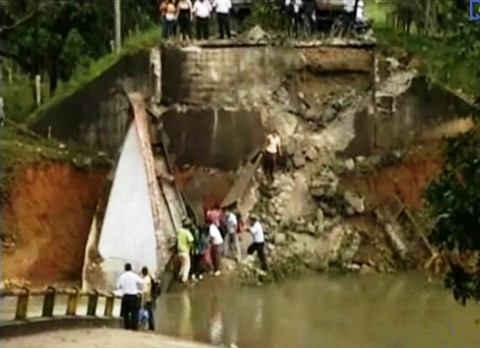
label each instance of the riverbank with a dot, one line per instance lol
(98, 338)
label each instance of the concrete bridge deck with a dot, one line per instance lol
(98, 338)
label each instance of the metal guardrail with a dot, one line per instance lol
(73, 295)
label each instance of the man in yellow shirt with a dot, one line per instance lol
(184, 245)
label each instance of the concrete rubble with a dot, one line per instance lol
(305, 210)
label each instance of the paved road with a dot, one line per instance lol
(97, 338)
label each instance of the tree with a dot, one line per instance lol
(53, 37)
(454, 203)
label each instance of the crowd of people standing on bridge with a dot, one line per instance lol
(180, 15)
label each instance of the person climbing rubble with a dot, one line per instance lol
(232, 243)
(271, 153)
(216, 241)
(184, 245)
(216, 216)
(200, 248)
(258, 245)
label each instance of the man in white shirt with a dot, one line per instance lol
(217, 241)
(294, 8)
(232, 243)
(222, 8)
(258, 245)
(272, 150)
(130, 284)
(202, 10)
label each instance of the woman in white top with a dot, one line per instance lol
(272, 150)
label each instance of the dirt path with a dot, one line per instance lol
(97, 338)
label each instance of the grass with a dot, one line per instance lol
(18, 147)
(18, 95)
(435, 53)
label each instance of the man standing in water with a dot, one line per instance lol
(184, 245)
(258, 245)
(273, 149)
(130, 284)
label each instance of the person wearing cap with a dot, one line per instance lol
(184, 245)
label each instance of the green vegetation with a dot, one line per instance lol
(67, 43)
(84, 75)
(439, 33)
(19, 146)
(454, 203)
(436, 31)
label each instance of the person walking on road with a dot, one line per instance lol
(258, 245)
(130, 285)
(184, 245)
(147, 297)
(222, 9)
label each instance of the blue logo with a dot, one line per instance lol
(475, 10)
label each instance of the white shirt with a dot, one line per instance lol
(297, 4)
(273, 143)
(222, 6)
(215, 235)
(257, 233)
(185, 5)
(232, 222)
(202, 9)
(130, 283)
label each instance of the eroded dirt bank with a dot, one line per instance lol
(46, 216)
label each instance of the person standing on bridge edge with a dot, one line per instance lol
(222, 9)
(294, 10)
(130, 284)
(202, 10)
(184, 245)
(147, 297)
(185, 18)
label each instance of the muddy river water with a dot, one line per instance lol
(322, 311)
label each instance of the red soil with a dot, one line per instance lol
(46, 219)
(405, 180)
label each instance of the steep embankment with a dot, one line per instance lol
(48, 200)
